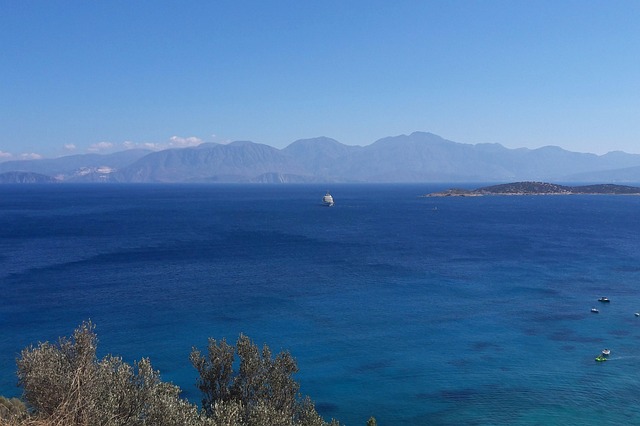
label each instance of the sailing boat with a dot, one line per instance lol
(327, 200)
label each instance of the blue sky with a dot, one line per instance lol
(81, 76)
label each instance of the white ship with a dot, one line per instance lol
(327, 200)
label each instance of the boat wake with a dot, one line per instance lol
(614, 358)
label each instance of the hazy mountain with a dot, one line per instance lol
(236, 162)
(628, 174)
(418, 157)
(321, 156)
(428, 157)
(76, 168)
(25, 177)
(425, 157)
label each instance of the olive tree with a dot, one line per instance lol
(262, 391)
(66, 383)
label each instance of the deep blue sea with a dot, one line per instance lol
(418, 311)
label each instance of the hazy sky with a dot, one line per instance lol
(91, 75)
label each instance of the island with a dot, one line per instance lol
(539, 188)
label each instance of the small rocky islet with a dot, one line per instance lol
(539, 188)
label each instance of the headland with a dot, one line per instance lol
(539, 188)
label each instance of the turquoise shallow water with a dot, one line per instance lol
(419, 311)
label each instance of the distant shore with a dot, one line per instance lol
(539, 188)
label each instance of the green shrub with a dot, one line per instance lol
(262, 391)
(65, 382)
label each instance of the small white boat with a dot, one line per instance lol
(606, 352)
(637, 314)
(594, 310)
(327, 200)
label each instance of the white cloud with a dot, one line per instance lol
(30, 156)
(140, 145)
(173, 142)
(69, 147)
(153, 146)
(100, 146)
(180, 142)
(5, 154)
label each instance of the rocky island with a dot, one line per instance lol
(539, 188)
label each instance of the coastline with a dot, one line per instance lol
(538, 188)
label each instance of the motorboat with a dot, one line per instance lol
(601, 358)
(327, 200)
(637, 314)
(594, 310)
(604, 299)
(606, 352)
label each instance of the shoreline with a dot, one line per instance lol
(538, 188)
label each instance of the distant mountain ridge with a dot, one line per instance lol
(76, 168)
(25, 177)
(418, 157)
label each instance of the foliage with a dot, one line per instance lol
(12, 409)
(262, 391)
(215, 373)
(66, 384)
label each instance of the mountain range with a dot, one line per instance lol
(418, 157)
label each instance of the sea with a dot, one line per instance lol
(415, 310)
